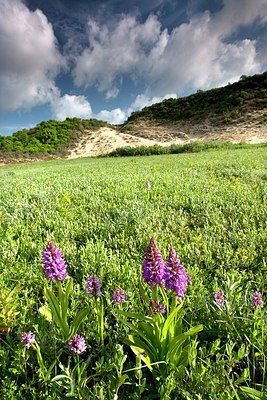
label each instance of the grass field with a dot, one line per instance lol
(210, 206)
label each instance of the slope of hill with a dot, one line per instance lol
(236, 113)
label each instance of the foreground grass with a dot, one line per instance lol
(210, 206)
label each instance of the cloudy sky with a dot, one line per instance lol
(106, 58)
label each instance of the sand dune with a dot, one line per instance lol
(149, 133)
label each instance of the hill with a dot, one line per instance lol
(235, 113)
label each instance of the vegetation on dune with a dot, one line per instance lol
(48, 137)
(192, 147)
(223, 105)
(96, 256)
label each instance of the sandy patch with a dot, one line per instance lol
(105, 140)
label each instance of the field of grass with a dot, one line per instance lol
(210, 206)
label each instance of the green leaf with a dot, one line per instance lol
(253, 393)
(45, 311)
(77, 320)
(137, 316)
(64, 300)
(174, 345)
(194, 330)
(168, 328)
(143, 346)
(165, 297)
(69, 288)
(56, 312)
(182, 362)
(143, 292)
(152, 336)
(60, 377)
(142, 335)
(215, 346)
(139, 353)
(121, 381)
(241, 351)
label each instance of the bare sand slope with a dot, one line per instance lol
(104, 140)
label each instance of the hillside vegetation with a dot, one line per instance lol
(232, 102)
(48, 137)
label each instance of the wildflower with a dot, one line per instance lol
(257, 299)
(119, 296)
(175, 276)
(148, 186)
(156, 307)
(153, 265)
(77, 344)
(219, 298)
(54, 263)
(27, 338)
(93, 286)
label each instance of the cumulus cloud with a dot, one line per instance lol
(113, 52)
(116, 116)
(69, 106)
(195, 54)
(29, 59)
(198, 57)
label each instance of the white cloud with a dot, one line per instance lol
(69, 106)
(116, 116)
(236, 13)
(114, 52)
(112, 93)
(194, 55)
(197, 57)
(29, 59)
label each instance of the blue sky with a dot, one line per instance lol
(106, 59)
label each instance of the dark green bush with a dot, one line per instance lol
(193, 147)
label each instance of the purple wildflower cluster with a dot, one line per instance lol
(77, 344)
(153, 265)
(175, 276)
(257, 299)
(28, 339)
(93, 286)
(156, 307)
(171, 274)
(54, 264)
(219, 298)
(119, 297)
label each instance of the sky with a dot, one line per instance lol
(107, 58)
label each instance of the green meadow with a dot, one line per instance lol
(210, 206)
